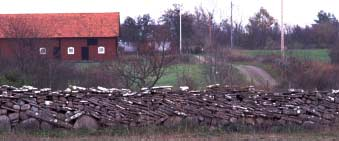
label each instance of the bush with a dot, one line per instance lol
(186, 80)
(311, 75)
(11, 78)
(334, 55)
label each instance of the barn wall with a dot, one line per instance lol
(110, 50)
(72, 42)
(110, 45)
(7, 48)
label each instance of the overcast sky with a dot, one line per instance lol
(302, 12)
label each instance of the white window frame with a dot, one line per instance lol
(43, 51)
(101, 50)
(70, 51)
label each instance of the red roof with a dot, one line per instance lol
(59, 25)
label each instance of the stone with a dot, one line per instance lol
(28, 124)
(201, 118)
(86, 122)
(173, 121)
(5, 124)
(9, 104)
(46, 126)
(25, 107)
(13, 116)
(328, 116)
(35, 109)
(233, 120)
(308, 123)
(3, 112)
(61, 116)
(23, 116)
(16, 107)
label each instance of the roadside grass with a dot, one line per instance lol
(306, 54)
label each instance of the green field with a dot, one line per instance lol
(173, 73)
(307, 54)
(198, 75)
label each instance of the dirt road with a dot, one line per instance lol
(257, 76)
(253, 74)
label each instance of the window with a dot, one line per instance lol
(101, 50)
(92, 41)
(43, 51)
(70, 50)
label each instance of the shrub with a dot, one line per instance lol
(187, 80)
(334, 55)
(311, 75)
(11, 78)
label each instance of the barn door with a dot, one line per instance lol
(56, 52)
(85, 53)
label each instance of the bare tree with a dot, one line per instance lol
(146, 68)
(23, 37)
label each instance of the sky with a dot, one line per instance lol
(301, 12)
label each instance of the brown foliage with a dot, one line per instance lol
(312, 75)
(334, 53)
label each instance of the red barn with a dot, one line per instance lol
(71, 36)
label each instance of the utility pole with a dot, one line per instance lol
(180, 22)
(282, 45)
(231, 24)
(210, 30)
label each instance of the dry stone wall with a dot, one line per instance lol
(92, 108)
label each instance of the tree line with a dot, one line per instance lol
(201, 31)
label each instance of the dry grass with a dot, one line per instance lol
(234, 132)
(179, 137)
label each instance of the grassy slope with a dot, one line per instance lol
(308, 54)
